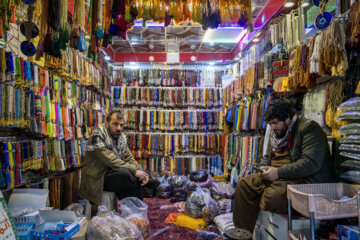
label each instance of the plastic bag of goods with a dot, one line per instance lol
(206, 184)
(135, 210)
(164, 189)
(110, 226)
(199, 176)
(224, 205)
(178, 185)
(77, 208)
(200, 204)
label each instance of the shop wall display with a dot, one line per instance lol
(158, 77)
(184, 165)
(155, 119)
(174, 97)
(167, 112)
(46, 115)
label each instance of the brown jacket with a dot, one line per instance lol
(97, 164)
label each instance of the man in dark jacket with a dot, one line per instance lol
(298, 152)
(109, 164)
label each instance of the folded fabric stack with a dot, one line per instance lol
(350, 144)
(224, 222)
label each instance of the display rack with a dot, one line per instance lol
(166, 125)
(46, 116)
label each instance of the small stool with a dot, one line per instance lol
(108, 199)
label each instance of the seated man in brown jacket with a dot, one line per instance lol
(109, 164)
(298, 152)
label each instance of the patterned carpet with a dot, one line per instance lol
(157, 217)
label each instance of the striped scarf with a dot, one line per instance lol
(101, 138)
(278, 145)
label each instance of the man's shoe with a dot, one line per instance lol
(238, 234)
(153, 183)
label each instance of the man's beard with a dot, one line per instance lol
(282, 133)
(115, 135)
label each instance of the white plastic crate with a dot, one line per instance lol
(323, 200)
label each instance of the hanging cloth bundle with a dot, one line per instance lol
(64, 32)
(54, 24)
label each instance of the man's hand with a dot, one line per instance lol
(142, 176)
(145, 181)
(269, 174)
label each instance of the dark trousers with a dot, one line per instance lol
(123, 184)
(252, 194)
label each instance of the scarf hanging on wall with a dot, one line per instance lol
(46, 110)
(168, 78)
(169, 120)
(244, 150)
(173, 97)
(175, 144)
(50, 155)
(183, 165)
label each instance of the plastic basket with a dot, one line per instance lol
(25, 230)
(74, 228)
(323, 200)
(26, 219)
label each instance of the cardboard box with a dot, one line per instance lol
(7, 225)
(25, 203)
(81, 235)
(348, 232)
(50, 218)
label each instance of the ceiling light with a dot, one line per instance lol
(224, 35)
(289, 4)
(211, 63)
(256, 40)
(139, 23)
(107, 58)
(192, 46)
(305, 4)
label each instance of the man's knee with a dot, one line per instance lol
(274, 200)
(123, 171)
(249, 184)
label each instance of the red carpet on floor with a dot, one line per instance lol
(157, 217)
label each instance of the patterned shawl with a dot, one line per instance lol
(278, 145)
(101, 138)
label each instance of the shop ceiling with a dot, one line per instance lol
(190, 41)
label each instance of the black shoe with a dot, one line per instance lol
(153, 183)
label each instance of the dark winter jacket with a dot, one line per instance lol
(309, 154)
